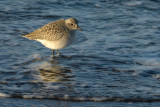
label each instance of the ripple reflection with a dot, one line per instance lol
(55, 73)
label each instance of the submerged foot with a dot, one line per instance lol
(58, 54)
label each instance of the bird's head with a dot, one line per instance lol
(72, 24)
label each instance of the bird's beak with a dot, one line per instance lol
(79, 28)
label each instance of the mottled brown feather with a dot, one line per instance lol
(52, 31)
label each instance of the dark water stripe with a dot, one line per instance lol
(91, 99)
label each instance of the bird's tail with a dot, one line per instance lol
(26, 36)
(29, 36)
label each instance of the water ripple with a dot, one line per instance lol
(115, 58)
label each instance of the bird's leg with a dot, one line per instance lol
(53, 52)
(57, 52)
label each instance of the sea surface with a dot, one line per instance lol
(114, 60)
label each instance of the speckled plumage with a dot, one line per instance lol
(51, 31)
(57, 34)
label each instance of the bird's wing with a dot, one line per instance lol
(52, 31)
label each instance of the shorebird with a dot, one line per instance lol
(56, 35)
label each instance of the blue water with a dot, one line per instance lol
(115, 58)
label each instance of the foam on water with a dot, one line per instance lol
(4, 95)
(148, 61)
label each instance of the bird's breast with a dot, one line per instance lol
(59, 44)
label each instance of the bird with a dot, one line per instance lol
(56, 35)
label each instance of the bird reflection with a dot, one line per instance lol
(55, 73)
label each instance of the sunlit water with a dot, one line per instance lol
(115, 58)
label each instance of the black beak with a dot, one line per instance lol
(79, 28)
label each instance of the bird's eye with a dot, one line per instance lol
(71, 24)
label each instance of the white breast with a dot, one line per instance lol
(58, 44)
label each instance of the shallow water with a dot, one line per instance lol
(115, 58)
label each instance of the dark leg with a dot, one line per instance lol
(53, 52)
(57, 52)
